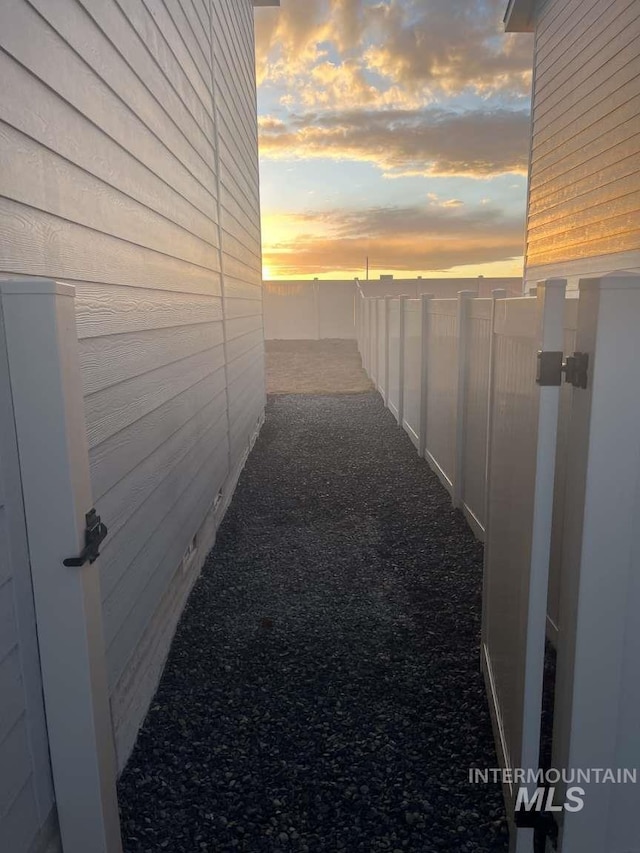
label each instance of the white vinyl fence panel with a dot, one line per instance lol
(394, 357)
(412, 369)
(336, 310)
(442, 384)
(381, 317)
(290, 311)
(476, 400)
(309, 310)
(513, 457)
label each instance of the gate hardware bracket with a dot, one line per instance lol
(543, 824)
(94, 534)
(552, 364)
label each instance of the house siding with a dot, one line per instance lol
(128, 168)
(584, 192)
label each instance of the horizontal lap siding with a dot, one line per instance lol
(125, 174)
(233, 56)
(585, 169)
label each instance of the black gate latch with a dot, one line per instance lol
(94, 534)
(551, 366)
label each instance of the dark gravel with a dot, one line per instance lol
(323, 689)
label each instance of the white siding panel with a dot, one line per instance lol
(112, 359)
(119, 600)
(37, 243)
(585, 170)
(158, 44)
(56, 125)
(114, 408)
(52, 184)
(127, 549)
(111, 310)
(127, 170)
(191, 506)
(78, 30)
(37, 46)
(138, 54)
(121, 452)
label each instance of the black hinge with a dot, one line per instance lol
(551, 366)
(544, 826)
(94, 534)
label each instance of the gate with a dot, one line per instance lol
(523, 424)
(27, 814)
(51, 644)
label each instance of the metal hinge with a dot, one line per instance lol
(544, 826)
(552, 364)
(94, 534)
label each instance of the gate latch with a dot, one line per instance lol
(552, 364)
(94, 534)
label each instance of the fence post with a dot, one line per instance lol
(496, 294)
(387, 310)
(363, 331)
(375, 337)
(463, 334)
(424, 370)
(316, 307)
(356, 314)
(49, 415)
(367, 317)
(401, 337)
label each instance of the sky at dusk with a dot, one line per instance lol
(397, 129)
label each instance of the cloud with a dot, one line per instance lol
(432, 237)
(412, 47)
(449, 44)
(431, 141)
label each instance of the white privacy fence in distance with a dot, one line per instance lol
(308, 310)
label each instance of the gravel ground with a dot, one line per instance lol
(315, 367)
(322, 691)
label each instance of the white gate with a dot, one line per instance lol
(597, 701)
(522, 448)
(50, 490)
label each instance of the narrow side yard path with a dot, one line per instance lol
(315, 367)
(323, 690)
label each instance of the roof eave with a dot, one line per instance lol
(520, 16)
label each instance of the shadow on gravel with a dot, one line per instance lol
(323, 690)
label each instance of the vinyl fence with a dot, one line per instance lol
(308, 310)
(540, 449)
(435, 382)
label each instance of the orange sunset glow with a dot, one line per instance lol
(396, 131)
